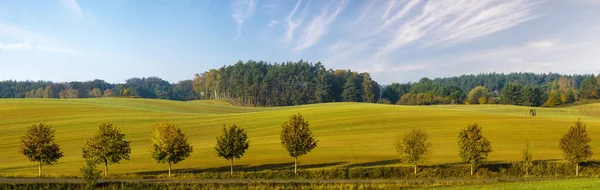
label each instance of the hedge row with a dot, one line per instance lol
(500, 170)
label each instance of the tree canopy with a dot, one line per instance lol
(233, 143)
(107, 146)
(413, 147)
(575, 145)
(474, 147)
(169, 144)
(297, 138)
(38, 145)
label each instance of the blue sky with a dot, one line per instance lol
(396, 41)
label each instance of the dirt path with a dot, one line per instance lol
(247, 181)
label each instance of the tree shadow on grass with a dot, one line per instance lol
(245, 168)
(375, 163)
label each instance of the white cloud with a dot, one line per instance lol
(541, 44)
(318, 26)
(293, 22)
(73, 7)
(242, 10)
(383, 35)
(450, 22)
(30, 46)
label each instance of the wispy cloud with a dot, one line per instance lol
(73, 7)
(453, 22)
(319, 25)
(384, 33)
(242, 10)
(30, 46)
(29, 40)
(294, 21)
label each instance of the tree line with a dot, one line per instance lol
(526, 89)
(170, 145)
(260, 83)
(151, 87)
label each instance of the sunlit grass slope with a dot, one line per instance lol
(348, 133)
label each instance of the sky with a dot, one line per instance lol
(394, 40)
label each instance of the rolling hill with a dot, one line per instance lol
(349, 134)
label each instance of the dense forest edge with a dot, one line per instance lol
(260, 83)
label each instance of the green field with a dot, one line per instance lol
(546, 185)
(348, 133)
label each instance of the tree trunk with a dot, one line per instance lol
(105, 169)
(471, 169)
(576, 169)
(40, 169)
(232, 166)
(296, 165)
(527, 170)
(169, 169)
(415, 168)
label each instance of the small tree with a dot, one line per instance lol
(38, 145)
(527, 158)
(107, 146)
(297, 138)
(474, 148)
(233, 143)
(576, 145)
(413, 147)
(169, 145)
(90, 174)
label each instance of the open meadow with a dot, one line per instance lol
(349, 134)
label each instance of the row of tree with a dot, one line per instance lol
(169, 144)
(414, 147)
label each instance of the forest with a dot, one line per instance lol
(260, 83)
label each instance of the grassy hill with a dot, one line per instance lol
(349, 134)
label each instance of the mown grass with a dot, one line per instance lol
(349, 134)
(587, 183)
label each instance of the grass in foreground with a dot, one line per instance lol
(349, 134)
(588, 183)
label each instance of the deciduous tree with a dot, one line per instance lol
(413, 147)
(169, 144)
(575, 145)
(95, 93)
(474, 147)
(527, 158)
(477, 93)
(38, 145)
(297, 138)
(233, 143)
(367, 89)
(107, 146)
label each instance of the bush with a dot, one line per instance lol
(90, 174)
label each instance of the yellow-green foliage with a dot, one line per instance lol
(348, 133)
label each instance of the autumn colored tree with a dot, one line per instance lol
(477, 95)
(169, 144)
(38, 145)
(474, 147)
(297, 138)
(575, 145)
(413, 147)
